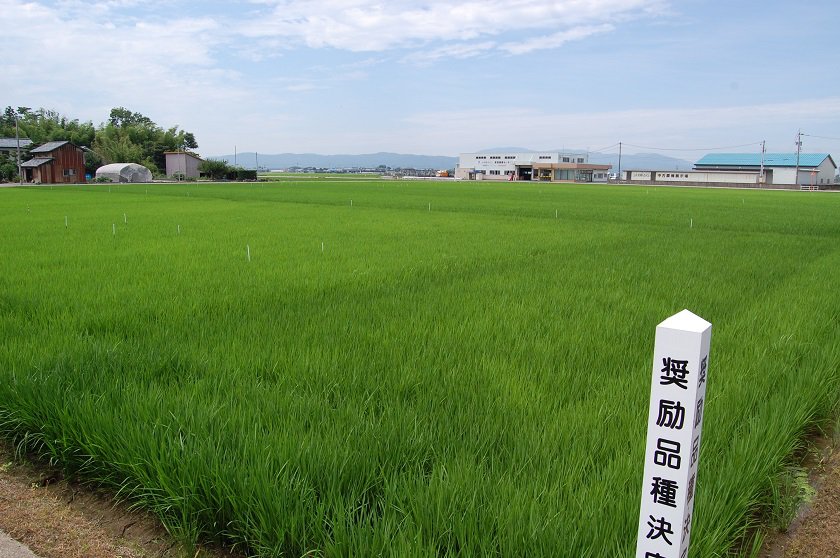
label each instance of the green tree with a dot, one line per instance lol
(216, 170)
(121, 117)
(44, 125)
(92, 161)
(189, 141)
(131, 137)
(8, 168)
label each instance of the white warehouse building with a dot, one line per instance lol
(814, 169)
(773, 170)
(542, 166)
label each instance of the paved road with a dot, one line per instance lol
(10, 548)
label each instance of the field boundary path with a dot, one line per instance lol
(45, 516)
(815, 531)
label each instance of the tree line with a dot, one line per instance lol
(126, 137)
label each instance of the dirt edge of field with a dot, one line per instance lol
(815, 530)
(58, 518)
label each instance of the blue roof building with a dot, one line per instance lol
(815, 169)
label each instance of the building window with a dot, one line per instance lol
(580, 159)
(565, 159)
(510, 156)
(545, 156)
(69, 172)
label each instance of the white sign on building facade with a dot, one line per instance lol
(675, 423)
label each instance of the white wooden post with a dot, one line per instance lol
(675, 422)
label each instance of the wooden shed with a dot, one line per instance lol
(55, 162)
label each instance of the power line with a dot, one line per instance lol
(693, 148)
(601, 149)
(820, 137)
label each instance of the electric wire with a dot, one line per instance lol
(821, 137)
(692, 148)
(602, 149)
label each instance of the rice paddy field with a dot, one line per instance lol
(332, 367)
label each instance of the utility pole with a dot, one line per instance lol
(798, 151)
(761, 172)
(17, 139)
(619, 162)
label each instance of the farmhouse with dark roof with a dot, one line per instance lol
(55, 162)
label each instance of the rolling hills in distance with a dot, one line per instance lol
(643, 161)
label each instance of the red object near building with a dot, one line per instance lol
(55, 162)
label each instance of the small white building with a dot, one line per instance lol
(538, 166)
(182, 163)
(728, 178)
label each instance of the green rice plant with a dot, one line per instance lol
(386, 379)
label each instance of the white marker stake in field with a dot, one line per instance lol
(675, 422)
(65, 221)
(125, 219)
(248, 251)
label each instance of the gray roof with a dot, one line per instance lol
(36, 162)
(11, 143)
(49, 146)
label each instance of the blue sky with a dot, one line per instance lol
(438, 78)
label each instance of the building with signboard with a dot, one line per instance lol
(539, 166)
(776, 170)
(692, 177)
(814, 169)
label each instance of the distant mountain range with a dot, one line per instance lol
(634, 161)
(641, 161)
(369, 160)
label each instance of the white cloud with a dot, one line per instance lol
(84, 62)
(556, 40)
(455, 50)
(301, 87)
(370, 25)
